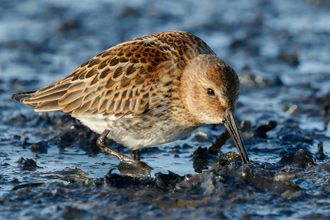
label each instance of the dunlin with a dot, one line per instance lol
(146, 91)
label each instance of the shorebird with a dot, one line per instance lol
(146, 91)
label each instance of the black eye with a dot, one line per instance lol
(210, 91)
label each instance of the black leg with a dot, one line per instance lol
(136, 155)
(101, 143)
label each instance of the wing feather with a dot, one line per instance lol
(70, 97)
(78, 86)
(90, 96)
(122, 80)
(46, 97)
(48, 106)
(83, 110)
(73, 105)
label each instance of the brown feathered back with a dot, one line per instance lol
(121, 80)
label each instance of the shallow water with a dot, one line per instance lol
(281, 53)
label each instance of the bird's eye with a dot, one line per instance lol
(210, 91)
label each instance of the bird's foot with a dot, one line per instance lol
(136, 169)
(132, 164)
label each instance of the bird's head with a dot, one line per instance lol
(210, 89)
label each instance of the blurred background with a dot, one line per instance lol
(280, 50)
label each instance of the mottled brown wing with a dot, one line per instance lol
(121, 80)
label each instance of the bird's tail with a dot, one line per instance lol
(20, 97)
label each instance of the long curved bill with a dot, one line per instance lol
(231, 126)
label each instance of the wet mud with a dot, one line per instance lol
(50, 166)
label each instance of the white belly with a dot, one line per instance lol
(136, 134)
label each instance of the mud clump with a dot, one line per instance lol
(161, 181)
(289, 58)
(122, 181)
(167, 181)
(261, 130)
(300, 159)
(232, 174)
(27, 164)
(69, 212)
(26, 186)
(320, 152)
(40, 147)
(201, 158)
